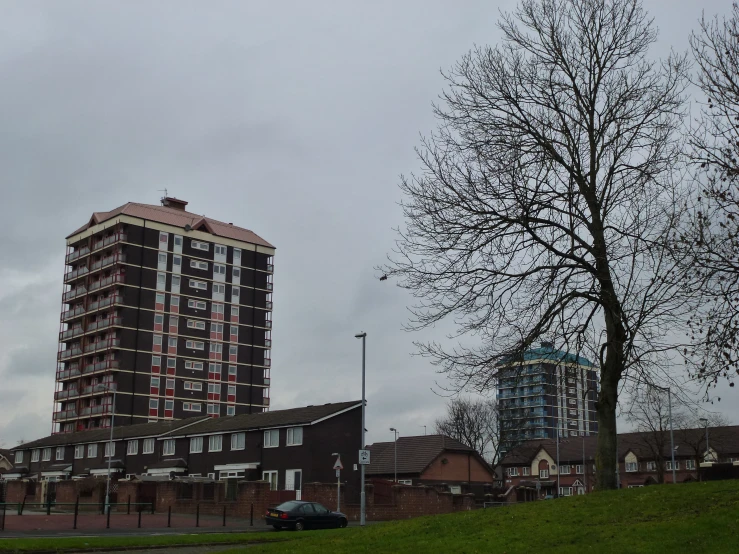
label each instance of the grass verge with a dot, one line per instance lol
(691, 518)
(78, 544)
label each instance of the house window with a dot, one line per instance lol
(215, 443)
(159, 320)
(198, 265)
(191, 364)
(175, 303)
(170, 385)
(543, 474)
(153, 404)
(196, 304)
(200, 285)
(235, 311)
(132, 448)
(176, 282)
(564, 469)
(162, 258)
(154, 382)
(163, 238)
(196, 324)
(92, 450)
(578, 469)
(236, 274)
(169, 404)
(232, 370)
(272, 438)
(214, 388)
(565, 491)
(168, 447)
(161, 280)
(213, 409)
(216, 327)
(230, 410)
(159, 299)
(237, 255)
(219, 288)
(192, 406)
(651, 466)
(177, 260)
(219, 249)
(215, 368)
(234, 292)
(631, 467)
(219, 269)
(216, 347)
(172, 341)
(177, 240)
(35, 455)
(79, 452)
(59, 453)
(513, 472)
(271, 478)
(200, 245)
(46, 455)
(232, 390)
(689, 464)
(192, 385)
(294, 436)
(525, 471)
(148, 447)
(19, 457)
(196, 445)
(238, 441)
(233, 350)
(669, 466)
(195, 345)
(109, 449)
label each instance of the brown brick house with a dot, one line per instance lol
(531, 470)
(431, 460)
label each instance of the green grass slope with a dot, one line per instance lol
(694, 518)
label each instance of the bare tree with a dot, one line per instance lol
(545, 197)
(473, 423)
(690, 433)
(650, 412)
(713, 234)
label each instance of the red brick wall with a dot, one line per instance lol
(249, 493)
(15, 492)
(458, 467)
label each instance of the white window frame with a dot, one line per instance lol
(59, 454)
(291, 439)
(220, 250)
(109, 451)
(199, 245)
(272, 478)
(271, 438)
(132, 447)
(690, 465)
(543, 474)
(192, 406)
(79, 451)
(579, 469)
(525, 471)
(193, 365)
(232, 370)
(213, 409)
(92, 450)
(18, 457)
(196, 304)
(35, 455)
(230, 410)
(195, 345)
(193, 385)
(168, 447)
(148, 446)
(219, 288)
(196, 324)
(231, 390)
(196, 445)
(215, 443)
(197, 264)
(651, 466)
(238, 441)
(668, 465)
(631, 467)
(564, 469)
(199, 285)
(512, 472)
(46, 455)
(219, 269)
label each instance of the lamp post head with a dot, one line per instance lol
(392, 428)
(703, 420)
(360, 335)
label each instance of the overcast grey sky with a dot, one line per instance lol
(293, 119)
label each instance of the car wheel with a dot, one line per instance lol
(299, 526)
(342, 523)
(277, 527)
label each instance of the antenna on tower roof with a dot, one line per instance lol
(166, 195)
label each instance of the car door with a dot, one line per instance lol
(310, 517)
(324, 518)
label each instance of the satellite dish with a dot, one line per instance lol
(188, 227)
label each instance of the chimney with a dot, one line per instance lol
(175, 203)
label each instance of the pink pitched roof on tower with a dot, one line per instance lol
(173, 213)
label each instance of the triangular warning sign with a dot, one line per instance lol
(338, 465)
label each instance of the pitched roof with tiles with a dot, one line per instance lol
(177, 218)
(102, 435)
(414, 453)
(266, 420)
(725, 442)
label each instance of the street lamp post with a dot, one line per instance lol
(362, 514)
(672, 437)
(109, 387)
(395, 431)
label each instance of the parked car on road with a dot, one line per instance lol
(299, 515)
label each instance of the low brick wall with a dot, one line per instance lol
(15, 491)
(185, 498)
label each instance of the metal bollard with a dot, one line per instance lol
(251, 516)
(169, 516)
(2, 522)
(48, 506)
(139, 517)
(197, 515)
(224, 516)
(76, 511)
(128, 507)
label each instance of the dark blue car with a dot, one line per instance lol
(299, 515)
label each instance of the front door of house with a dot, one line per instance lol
(293, 481)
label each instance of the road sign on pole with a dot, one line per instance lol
(338, 465)
(364, 457)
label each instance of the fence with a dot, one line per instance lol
(84, 515)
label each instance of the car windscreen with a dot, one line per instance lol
(287, 506)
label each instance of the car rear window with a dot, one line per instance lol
(287, 506)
